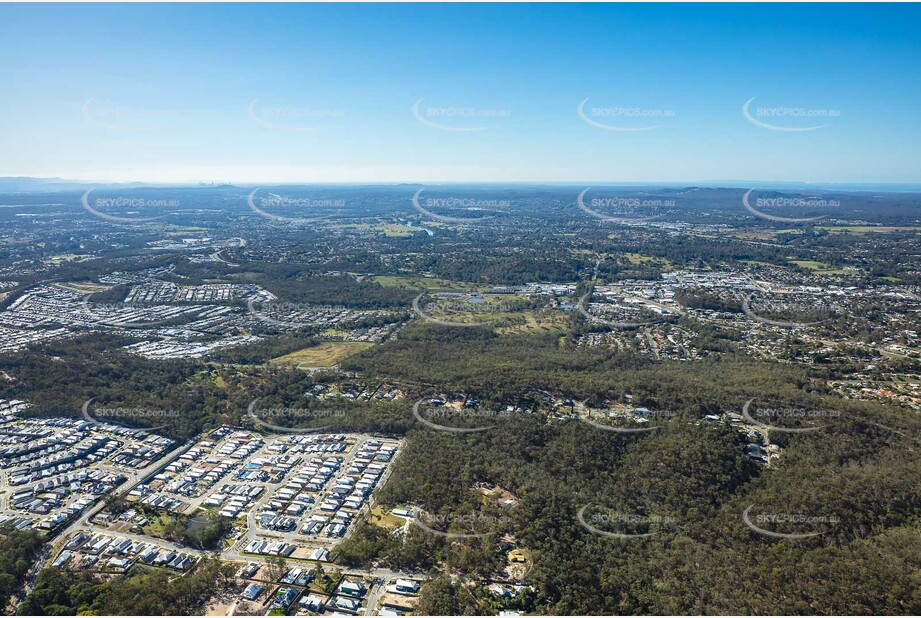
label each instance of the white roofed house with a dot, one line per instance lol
(406, 585)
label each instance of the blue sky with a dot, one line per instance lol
(325, 93)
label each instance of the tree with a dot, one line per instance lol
(277, 566)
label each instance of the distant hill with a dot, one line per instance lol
(20, 184)
(28, 184)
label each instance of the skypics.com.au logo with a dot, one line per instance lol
(580, 307)
(126, 315)
(127, 207)
(801, 525)
(287, 315)
(763, 206)
(459, 119)
(615, 525)
(276, 201)
(104, 415)
(623, 119)
(264, 417)
(629, 206)
(653, 417)
(811, 311)
(291, 118)
(451, 307)
(464, 202)
(460, 526)
(436, 414)
(788, 119)
(770, 417)
(124, 118)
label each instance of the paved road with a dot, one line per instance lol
(4, 496)
(374, 595)
(653, 346)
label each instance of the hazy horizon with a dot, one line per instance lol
(52, 182)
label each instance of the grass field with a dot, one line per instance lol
(819, 268)
(385, 520)
(88, 287)
(393, 230)
(157, 526)
(535, 323)
(638, 258)
(68, 257)
(866, 229)
(323, 355)
(425, 283)
(810, 264)
(396, 230)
